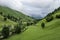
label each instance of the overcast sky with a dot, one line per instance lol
(35, 8)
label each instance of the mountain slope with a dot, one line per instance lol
(35, 32)
(8, 22)
(14, 13)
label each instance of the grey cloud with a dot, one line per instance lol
(35, 8)
(43, 8)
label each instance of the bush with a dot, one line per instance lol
(42, 25)
(1, 13)
(5, 18)
(8, 16)
(17, 29)
(5, 31)
(48, 19)
(57, 16)
(28, 23)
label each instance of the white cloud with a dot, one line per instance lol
(36, 8)
(14, 4)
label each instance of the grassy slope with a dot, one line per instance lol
(14, 13)
(2, 22)
(8, 22)
(35, 32)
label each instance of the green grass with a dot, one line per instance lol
(51, 32)
(35, 32)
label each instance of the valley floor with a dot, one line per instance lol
(35, 32)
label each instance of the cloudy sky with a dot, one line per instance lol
(35, 8)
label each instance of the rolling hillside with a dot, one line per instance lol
(35, 32)
(7, 11)
(8, 22)
(14, 13)
(10, 18)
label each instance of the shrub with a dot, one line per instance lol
(1, 13)
(5, 18)
(17, 29)
(28, 23)
(5, 31)
(8, 16)
(42, 25)
(48, 19)
(57, 16)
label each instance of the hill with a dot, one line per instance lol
(14, 13)
(14, 16)
(35, 32)
(11, 18)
